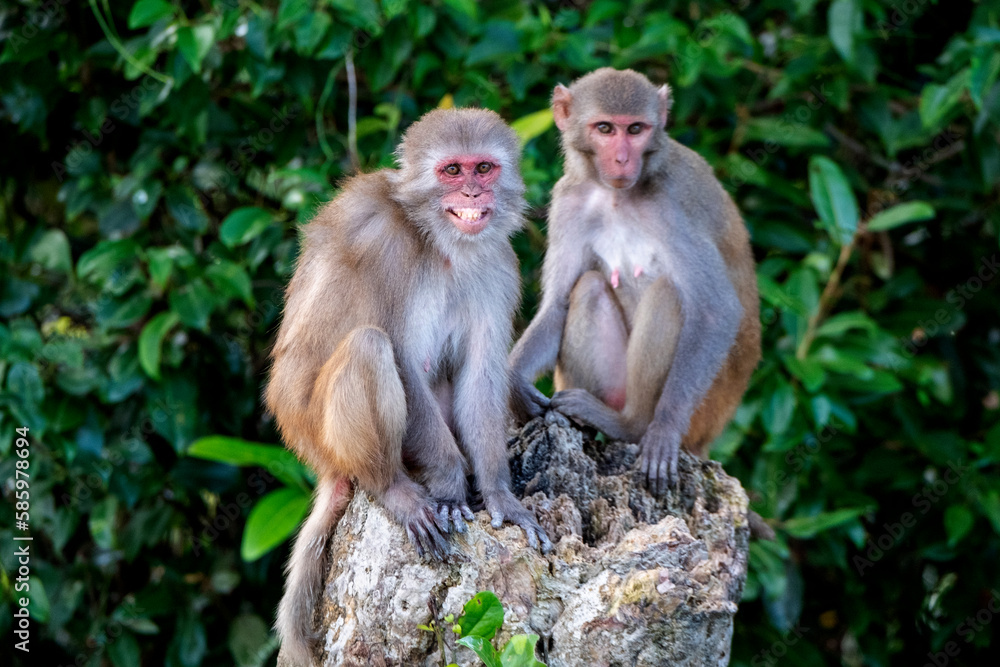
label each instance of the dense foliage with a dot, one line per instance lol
(159, 155)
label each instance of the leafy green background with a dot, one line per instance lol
(158, 157)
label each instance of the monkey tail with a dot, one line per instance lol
(305, 571)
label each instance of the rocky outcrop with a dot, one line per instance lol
(633, 580)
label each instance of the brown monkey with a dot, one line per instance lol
(389, 370)
(649, 296)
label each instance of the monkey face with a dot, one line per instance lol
(619, 143)
(468, 201)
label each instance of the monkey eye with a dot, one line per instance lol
(604, 128)
(484, 168)
(453, 170)
(635, 128)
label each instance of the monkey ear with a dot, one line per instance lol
(666, 101)
(561, 100)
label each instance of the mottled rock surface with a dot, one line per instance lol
(632, 580)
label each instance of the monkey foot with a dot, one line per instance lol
(502, 505)
(426, 534)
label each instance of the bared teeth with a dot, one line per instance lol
(469, 214)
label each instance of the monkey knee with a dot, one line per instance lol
(590, 288)
(368, 343)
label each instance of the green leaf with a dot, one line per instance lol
(519, 651)
(231, 280)
(194, 43)
(243, 225)
(533, 125)
(277, 460)
(466, 7)
(272, 521)
(936, 101)
(99, 263)
(844, 19)
(833, 198)
(482, 616)
(900, 215)
(958, 521)
(771, 129)
(806, 527)
(840, 323)
(151, 341)
(124, 651)
(38, 602)
(193, 303)
(779, 410)
(483, 648)
(148, 12)
(52, 251)
(250, 640)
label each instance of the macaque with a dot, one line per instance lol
(389, 370)
(649, 304)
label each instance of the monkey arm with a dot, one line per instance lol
(480, 398)
(711, 313)
(537, 349)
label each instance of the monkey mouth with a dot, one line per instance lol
(469, 220)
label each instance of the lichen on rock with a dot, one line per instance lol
(633, 580)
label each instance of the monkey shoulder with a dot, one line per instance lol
(694, 187)
(365, 225)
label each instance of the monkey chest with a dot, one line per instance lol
(630, 260)
(437, 326)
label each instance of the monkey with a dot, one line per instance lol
(389, 370)
(649, 308)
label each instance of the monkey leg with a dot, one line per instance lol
(592, 353)
(590, 377)
(648, 357)
(361, 404)
(431, 451)
(651, 349)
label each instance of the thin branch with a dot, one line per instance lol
(120, 48)
(826, 299)
(352, 111)
(320, 130)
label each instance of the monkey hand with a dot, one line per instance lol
(526, 401)
(658, 464)
(502, 504)
(453, 514)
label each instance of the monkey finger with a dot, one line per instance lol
(467, 513)
(457, 521)
(546, 542)
(529, 532)
(433, 541)
(674, 478)
(497, 519)
(414, 541)
(661, 476)
(441, 517)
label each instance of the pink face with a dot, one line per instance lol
(620, 143)
(468, 184)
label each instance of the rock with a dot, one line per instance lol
(632, 580)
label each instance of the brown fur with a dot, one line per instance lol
(691, 314)
(389, 368)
